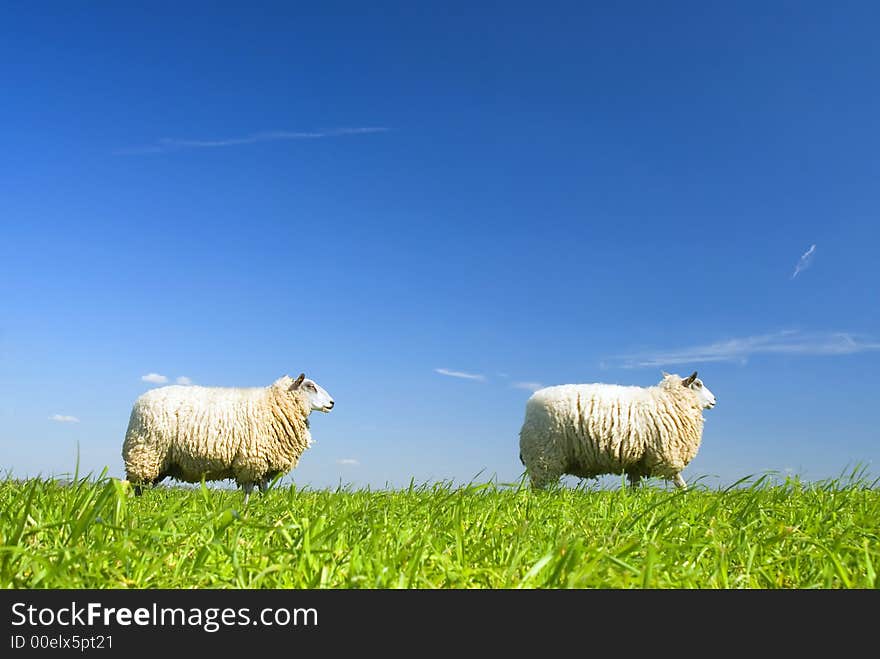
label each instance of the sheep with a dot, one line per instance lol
(590, 429)
(215, 433)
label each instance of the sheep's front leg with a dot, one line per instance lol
(679, 482)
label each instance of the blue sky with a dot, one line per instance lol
(394, 197)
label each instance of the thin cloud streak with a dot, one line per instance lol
(154, 378)
(528, 386)
(184, 380)
(348, 461)
(788, 342)
(460, 374)
(167, 144)
(804, 262)
(63, 418)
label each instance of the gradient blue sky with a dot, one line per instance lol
(522, 193)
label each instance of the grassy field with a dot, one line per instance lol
(93, 533)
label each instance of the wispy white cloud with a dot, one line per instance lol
(528, 386)
(460, 374)
(348, 461)
(804, 262)
(787, 342)
(154, 378)
(184, 380)
(167, 144)
(63, 418)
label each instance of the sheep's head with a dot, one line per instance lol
(705, 397)
(695, 384)
(318, 398)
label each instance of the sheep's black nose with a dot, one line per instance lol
(331, 404)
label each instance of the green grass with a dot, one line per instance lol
(93, 533)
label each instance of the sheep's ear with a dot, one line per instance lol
(297, 382)
(689, 379)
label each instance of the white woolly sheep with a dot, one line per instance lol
(215, 433)
(586, 430)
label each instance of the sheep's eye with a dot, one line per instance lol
(699, 384)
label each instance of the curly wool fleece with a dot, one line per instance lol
(190, 432)
(590, 429)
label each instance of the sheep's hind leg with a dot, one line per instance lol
(679, 482)
(248, 488)
(634, 480)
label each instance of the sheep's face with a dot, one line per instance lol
(319, 399)
(704, 396)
